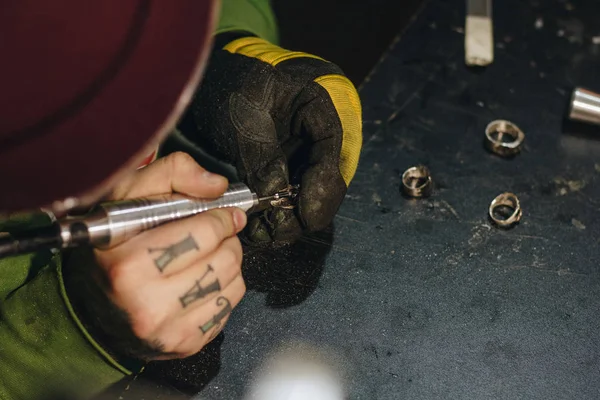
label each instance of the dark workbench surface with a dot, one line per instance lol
(425, 299)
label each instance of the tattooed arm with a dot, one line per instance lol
(151, 297)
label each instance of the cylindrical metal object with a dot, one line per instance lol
(585, 106)
(113, 223)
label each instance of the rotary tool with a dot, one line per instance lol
(112, 223)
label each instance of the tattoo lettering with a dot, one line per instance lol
(198, 291)
(172, 252)
(215, 321)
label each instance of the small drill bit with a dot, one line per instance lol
(269, 198)
(284, 198)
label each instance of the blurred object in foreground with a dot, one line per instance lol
(298, 372)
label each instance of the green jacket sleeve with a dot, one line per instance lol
(254, 16)
(43, 348)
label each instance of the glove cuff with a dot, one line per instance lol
(260, 49)
(223, 39)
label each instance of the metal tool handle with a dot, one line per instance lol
(115, 222)
(585, 106)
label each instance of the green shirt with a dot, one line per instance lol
(44, 349)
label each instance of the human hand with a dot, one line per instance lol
(168, 291)
(279, 117)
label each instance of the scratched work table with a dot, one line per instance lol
(425, 299)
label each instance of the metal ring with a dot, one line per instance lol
(416, 181)
(507, 200)
(496, 134)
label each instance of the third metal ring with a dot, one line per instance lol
(416, 181)
(509, 201)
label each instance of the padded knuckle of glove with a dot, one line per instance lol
(252, 122)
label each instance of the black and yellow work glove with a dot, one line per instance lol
(280, 117)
